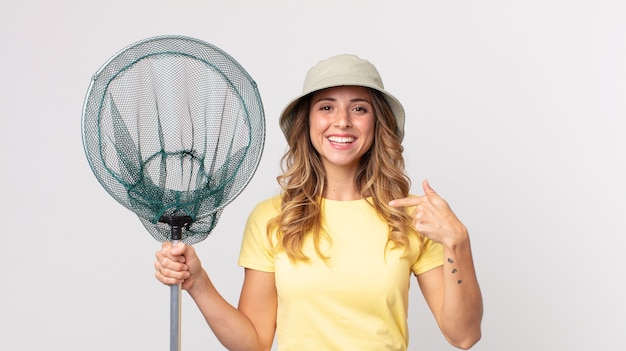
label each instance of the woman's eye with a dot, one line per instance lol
(360, 109)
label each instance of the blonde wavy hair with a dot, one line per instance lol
(380, 175)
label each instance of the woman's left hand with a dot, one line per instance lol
(433, 217)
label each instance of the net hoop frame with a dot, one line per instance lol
(96, 95)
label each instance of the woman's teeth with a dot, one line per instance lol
(344, 140)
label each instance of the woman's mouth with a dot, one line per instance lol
(340, 140)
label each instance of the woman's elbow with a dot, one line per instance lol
(467, 341)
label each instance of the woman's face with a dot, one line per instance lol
(341, 125)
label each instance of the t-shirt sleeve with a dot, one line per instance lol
(430, 257)
(256, 250)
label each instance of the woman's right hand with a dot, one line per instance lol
(251, 326)
(177, 264)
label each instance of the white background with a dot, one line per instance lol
(515, 114)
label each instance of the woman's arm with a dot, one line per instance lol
(251, 326)
(454, 297)
(451, 291)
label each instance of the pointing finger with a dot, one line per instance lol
(405, 202)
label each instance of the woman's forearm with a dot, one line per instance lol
(462, 307)
(231, 327)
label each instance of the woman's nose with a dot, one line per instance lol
(343, 119)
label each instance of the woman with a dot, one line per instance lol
(328, 262)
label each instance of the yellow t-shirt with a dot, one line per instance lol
(357, 299)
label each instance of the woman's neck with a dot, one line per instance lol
(340, 185)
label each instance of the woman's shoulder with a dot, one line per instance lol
(267, 207)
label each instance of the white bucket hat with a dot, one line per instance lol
(343, 70)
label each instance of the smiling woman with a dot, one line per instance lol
(344, 222)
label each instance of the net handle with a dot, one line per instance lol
(175, 314)
(177, 223)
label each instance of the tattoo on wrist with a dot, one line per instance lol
(454, 270)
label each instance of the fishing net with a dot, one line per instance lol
(173, 129)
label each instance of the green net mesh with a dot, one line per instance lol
(173, 126)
